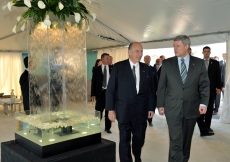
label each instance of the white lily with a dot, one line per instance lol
(14, 29)
(23, 26)
(27, 3)
(60, 5)
(4, 7)
(41, 5)
(19, 18)
(77, 17)
(47, 21)
(94, 16)
(88, 29)
(9, 5)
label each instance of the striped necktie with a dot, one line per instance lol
(183, 71)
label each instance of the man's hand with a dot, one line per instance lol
(222, 88)
(112, 115)
(161, 110)
(218, 91)
(93, 98)
(202, 109)
(150, 114)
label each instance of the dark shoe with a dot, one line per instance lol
(206, 134)
(138, 160)
(108, 131)
(210, 130)
(151, 124)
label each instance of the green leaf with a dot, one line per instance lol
(57, 9)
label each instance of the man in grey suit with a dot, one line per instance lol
(183, 94)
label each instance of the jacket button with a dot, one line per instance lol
(181, 98)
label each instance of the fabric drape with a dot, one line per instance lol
(118, 54)
(11, 66)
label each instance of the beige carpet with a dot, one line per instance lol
(204, 149)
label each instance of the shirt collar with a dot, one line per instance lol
(207, 59)
(186, 58)
(131, 64)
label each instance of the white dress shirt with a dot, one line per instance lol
(137, 71)
(107, 70)
(186, 61)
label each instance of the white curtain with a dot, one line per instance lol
(11, 68)
(225, 113)
(118, 54)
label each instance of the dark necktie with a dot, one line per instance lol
(104, 77)
(134, 73)
(183, 71)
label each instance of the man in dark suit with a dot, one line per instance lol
(100, 79)
(222, 67)
(147, 60)
(24, 83)
(158, 67)
(130, 100)
(213, 68)
(182, 95)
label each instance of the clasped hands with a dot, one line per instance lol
(112, 115)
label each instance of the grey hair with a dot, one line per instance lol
(184, 39)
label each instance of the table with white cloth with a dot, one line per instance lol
(8, 102)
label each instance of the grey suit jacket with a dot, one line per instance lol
(173, 95)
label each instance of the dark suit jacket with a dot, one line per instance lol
(155, 77)
(24, 83)
(96, 86)
(121, 94)
(222, 69)
(214, 76)
(159, 73)
(173, 95)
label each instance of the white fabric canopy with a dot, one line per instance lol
(122, 21)
(11, 70)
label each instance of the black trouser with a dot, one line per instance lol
(217, 102)
(204, 121)
(180, 133)
(137, 129)
(100, 106)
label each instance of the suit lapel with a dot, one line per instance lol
(142, 75)
(190, 69)
(177, 69)
(129, 72)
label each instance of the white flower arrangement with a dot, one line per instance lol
(38, 11)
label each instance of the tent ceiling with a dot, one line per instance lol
(137, 20)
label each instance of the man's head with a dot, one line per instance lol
(224, 56)
(158, 61)
(26, 62)
(216, 58)
(190, 50)
(135, 51)
(105, 58)
(110, 60)
(181, 44)
(31, 64)
(162, 57)
(206, 52)
(147, 60)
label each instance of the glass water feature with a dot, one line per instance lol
(57, 82)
